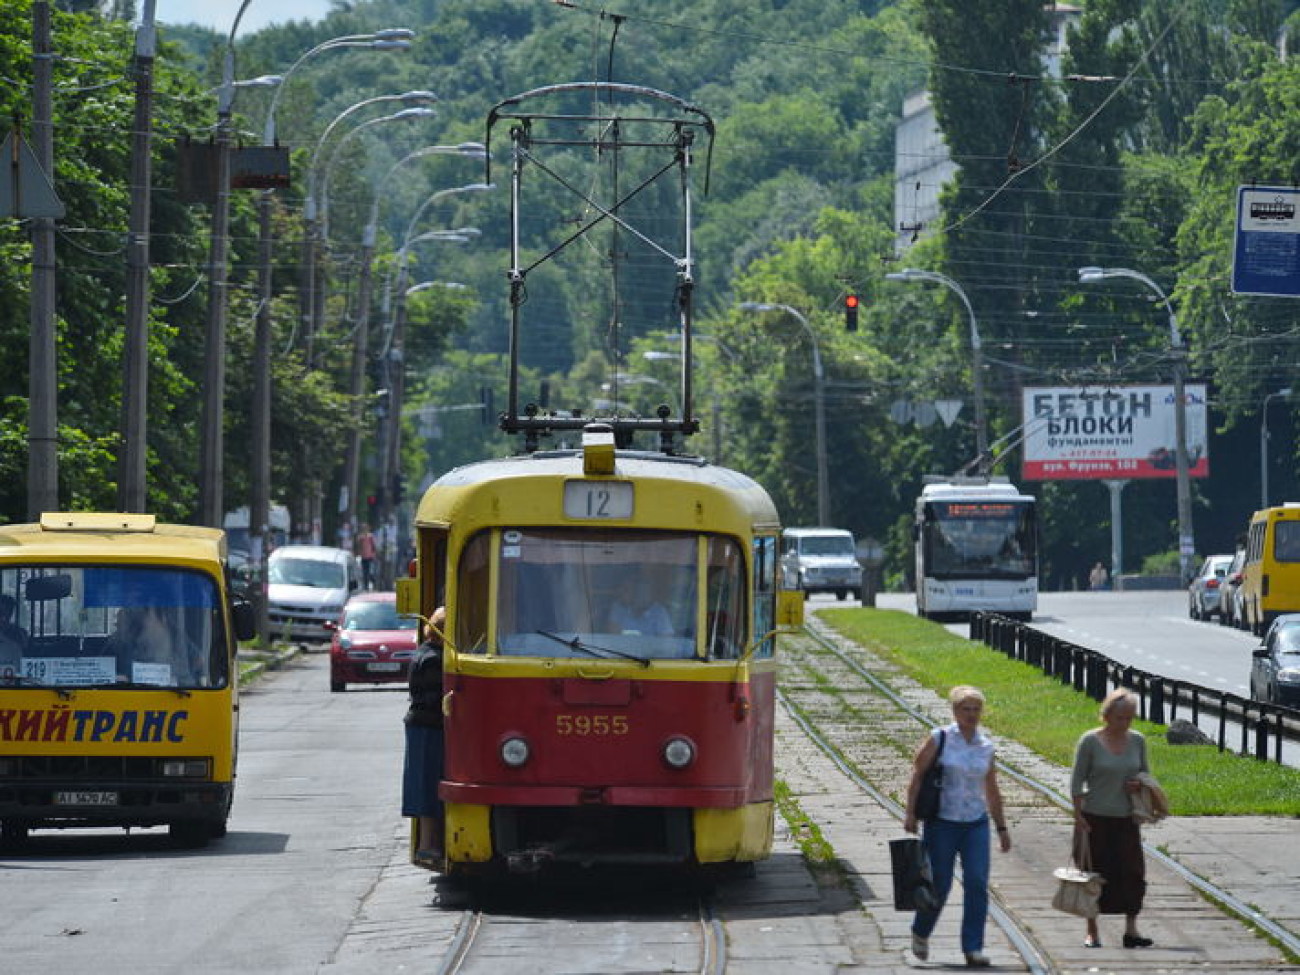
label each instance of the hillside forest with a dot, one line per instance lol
(1124, 148)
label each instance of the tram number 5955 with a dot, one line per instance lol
(597, 500)
(591, 724)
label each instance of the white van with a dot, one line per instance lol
(307, 586)
(820, 560)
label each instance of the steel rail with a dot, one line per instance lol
(458, 951)
(713, 942)
(1227, 900)
(1020, 939)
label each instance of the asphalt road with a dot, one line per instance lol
(314, 822)
(1149, 630)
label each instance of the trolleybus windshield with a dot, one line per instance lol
(112, 626)
(985, 539)
(602, 592)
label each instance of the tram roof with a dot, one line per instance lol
(95, 536)
(745, 497)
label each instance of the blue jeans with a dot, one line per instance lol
(944, 840)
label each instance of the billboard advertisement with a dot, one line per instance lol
(1122, 432)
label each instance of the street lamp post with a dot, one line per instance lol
(360, 345)
(1186, 538)
(259, 509)
(313, 305)
(819, 401)
(1263, 443)
(982, 458)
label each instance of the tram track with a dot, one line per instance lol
(487, 938)
(868, 721)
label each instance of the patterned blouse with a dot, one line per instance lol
(966, 765)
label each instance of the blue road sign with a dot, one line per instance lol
(1266, 252)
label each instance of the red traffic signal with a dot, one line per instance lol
(851, 312)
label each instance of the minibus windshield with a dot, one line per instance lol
(110, 626)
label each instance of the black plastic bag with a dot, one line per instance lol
(913, 882)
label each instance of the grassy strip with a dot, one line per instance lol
(1048, 716)
(816, 849)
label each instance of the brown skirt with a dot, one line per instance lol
(1115, 843)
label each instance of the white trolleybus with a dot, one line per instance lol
(976, 548)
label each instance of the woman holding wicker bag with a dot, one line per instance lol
(969, 798)
(1107, 763)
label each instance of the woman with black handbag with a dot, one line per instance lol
(969, 796)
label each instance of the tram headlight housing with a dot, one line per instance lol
(515, 751)
(679, 752)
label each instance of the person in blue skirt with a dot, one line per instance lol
(423, 764)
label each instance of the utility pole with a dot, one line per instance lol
(211, 431)
(259, 510)
(135, 355)
(43, 376)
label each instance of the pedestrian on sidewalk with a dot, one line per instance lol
(423, 762)
(1108, 761)
(970, 796)
(366, 551)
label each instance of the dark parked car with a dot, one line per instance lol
(1230, 613)
(1207, 586)
(1275, 668)
(371, 643)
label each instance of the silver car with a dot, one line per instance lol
(307, 586)
(1205, 592)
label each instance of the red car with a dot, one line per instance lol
(371, 643)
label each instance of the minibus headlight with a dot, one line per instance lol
(679, 752)
(514, 752)
(185, 768)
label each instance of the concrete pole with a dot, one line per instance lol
(1263, 444)
(1116, 488)
(135, 384)
(259, 510)
(211, 432)
(43, 374)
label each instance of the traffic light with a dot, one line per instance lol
(851, 312)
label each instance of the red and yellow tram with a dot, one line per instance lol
(609, 671)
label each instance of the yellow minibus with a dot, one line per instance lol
(118, 692)
(1270, 578)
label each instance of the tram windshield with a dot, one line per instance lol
(110, 627)
(979, 539)
(606, 594)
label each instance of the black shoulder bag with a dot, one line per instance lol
(927, 800)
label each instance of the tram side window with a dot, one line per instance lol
(472, 605)
(725, 613)
(764, 591)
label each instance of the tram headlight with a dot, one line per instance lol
(679, 752)
(514, 752)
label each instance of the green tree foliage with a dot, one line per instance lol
(1129, 158)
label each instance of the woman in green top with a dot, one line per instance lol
(1107, 761)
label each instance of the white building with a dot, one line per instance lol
(922, 164)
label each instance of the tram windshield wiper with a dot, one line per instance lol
(592, 650)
